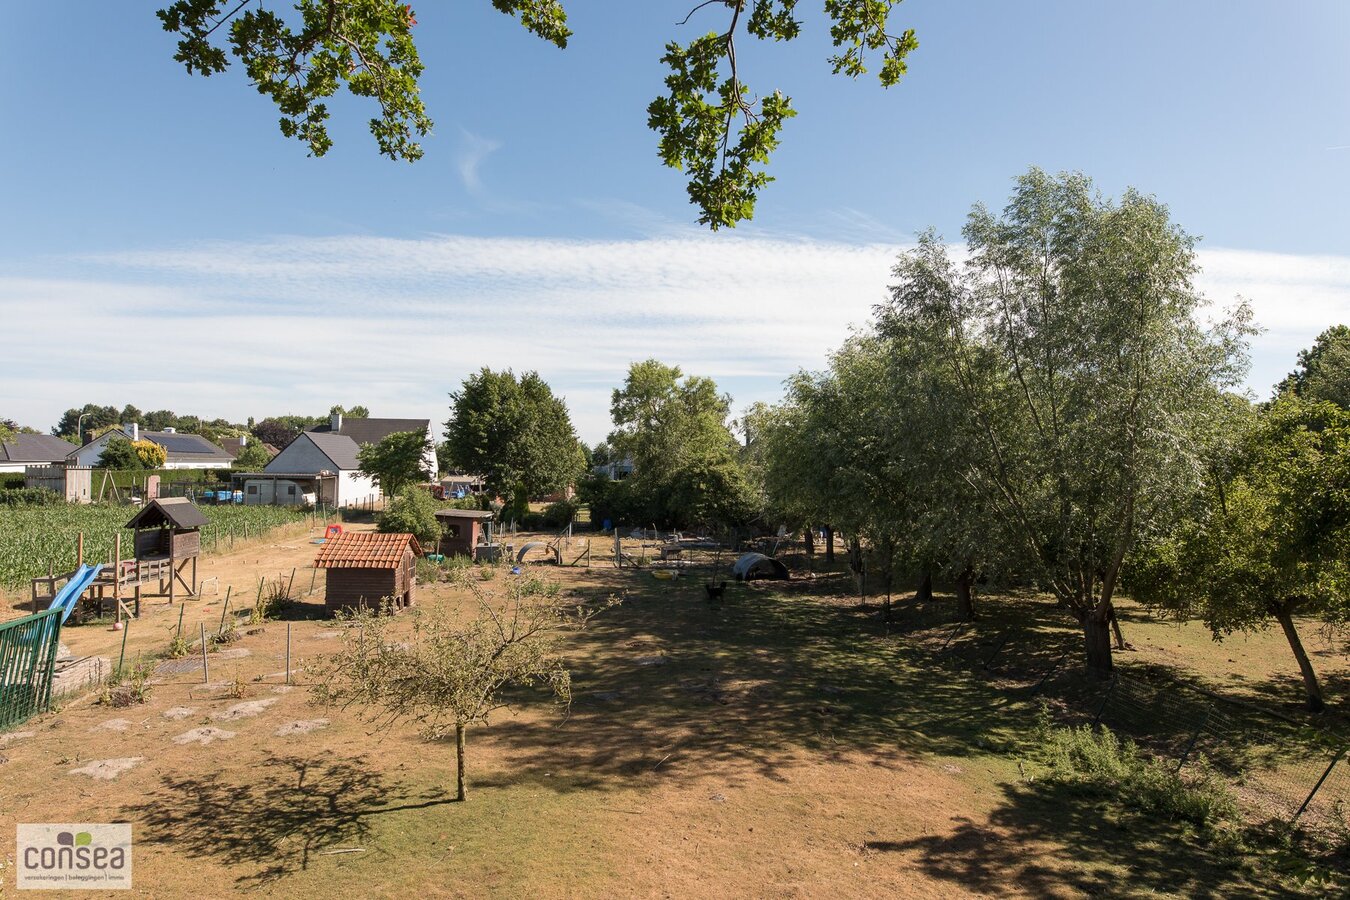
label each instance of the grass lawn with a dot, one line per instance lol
(786, 742)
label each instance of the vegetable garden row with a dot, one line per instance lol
(34, 538)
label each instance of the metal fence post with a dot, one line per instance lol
(1046, 677)
(1001, 644)
(1317, 787)
(1190, 745)
(1115, 680)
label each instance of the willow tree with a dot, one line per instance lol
(1071, 343)
(1269, 539)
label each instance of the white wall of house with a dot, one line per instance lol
(299, 456)
(89, 454)
(353, 487)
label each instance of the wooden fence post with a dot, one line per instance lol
(206, 677)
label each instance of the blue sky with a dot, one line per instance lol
(167, 215)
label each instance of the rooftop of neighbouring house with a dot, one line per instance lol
(368, 431)
(35, 448)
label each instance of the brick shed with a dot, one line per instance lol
(366, 567)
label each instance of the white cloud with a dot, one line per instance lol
(469, 155)
(298, 324)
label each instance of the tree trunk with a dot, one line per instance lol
(1097, 642)
(965, 595)
(1310, 684)
(1115, 629)
(809, 537)
(829, 543)
(462, 791)
(925, 592)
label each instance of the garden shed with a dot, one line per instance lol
(364, 568)
(463, 530)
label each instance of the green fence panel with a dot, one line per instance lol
(27, 661)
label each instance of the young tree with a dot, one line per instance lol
(446, 676)
(413, 512)
(397, 460)
(1071, 343)
(710, 125)
(513, 432)
(119, 454)
(1269, 538)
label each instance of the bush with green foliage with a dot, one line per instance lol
(560, 514)
(413, 511)
(1100, 762)
(120, 454)
(23, 496)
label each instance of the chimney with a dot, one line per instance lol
(243, 441)
(335, 422)
(135, 430)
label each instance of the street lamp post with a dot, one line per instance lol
(79, 428)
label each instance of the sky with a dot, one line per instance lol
(161, 244)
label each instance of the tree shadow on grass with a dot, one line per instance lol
(290, 810)
(670, 680)
(1107, 852)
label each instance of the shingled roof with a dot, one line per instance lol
(371, 431)
(365, 550)
(176, 511)
(39, 449)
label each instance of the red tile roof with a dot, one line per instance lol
(365, 550)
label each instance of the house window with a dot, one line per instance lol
(290, 490)
(253, 490)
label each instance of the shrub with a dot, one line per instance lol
(151, 455)
(412, 511)
(25, 496)
(560, 514)
(1102, 763)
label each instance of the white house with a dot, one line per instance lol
(182, 451)
(321, 464)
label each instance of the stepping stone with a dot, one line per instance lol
(112, 725)
(283, 689)
(301, 727)
(177, 713)
(179, 666)
(7, 739)
(108, 769)
(245, 710)
(203, 736)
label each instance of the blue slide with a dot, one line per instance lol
(68, 596)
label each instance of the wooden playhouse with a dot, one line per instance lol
(365, 568)
(463, 531)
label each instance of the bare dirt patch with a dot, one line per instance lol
(108, 769)
(303, 726)
(205, 735)
(245, 710)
